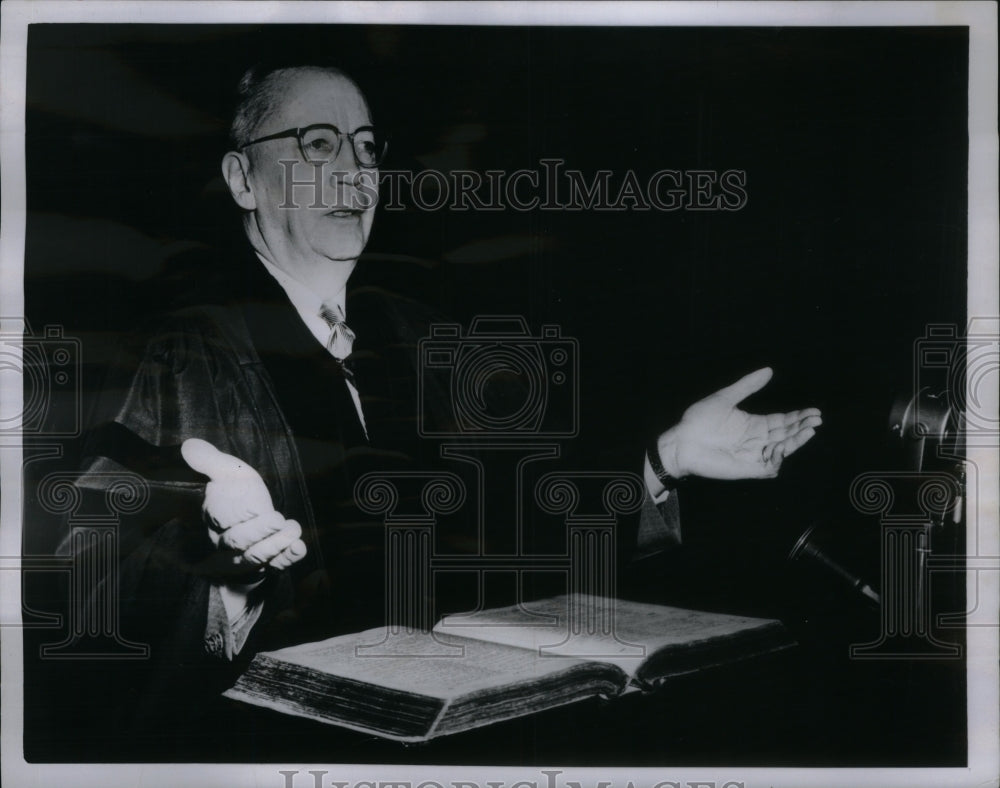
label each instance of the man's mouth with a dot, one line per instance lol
(344, 213)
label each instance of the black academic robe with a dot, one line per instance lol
(246, 375)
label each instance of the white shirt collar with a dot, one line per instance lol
(306, 302)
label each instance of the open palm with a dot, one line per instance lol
(717, 440)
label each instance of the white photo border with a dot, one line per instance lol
(979, 17)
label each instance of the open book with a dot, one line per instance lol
(479, 668)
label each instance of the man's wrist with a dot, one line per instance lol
(661, 455)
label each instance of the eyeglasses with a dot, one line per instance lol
(320, 143)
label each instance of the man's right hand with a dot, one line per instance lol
(243, 524)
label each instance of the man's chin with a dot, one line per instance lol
(341, 250)
(344, 245)
(343, 255)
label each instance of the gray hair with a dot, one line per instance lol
(259, 92)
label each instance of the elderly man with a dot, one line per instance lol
(261, 396)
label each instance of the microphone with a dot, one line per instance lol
(809, 549)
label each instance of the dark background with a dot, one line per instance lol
(853, 240)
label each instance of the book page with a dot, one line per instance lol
(615, 631)
(439, 665)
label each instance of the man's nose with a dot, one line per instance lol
(353, 184)
(346, 159)
(344, 172)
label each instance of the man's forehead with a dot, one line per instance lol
(319, 97)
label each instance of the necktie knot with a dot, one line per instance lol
(341, 340)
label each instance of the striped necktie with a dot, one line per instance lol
(341, 341)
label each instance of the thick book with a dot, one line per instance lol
(479, 668)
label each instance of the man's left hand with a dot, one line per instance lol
(717, 440)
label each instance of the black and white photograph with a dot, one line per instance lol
(470, 395)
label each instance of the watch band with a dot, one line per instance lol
(653, 454)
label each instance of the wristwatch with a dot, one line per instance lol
(653, 453)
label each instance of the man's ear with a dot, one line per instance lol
(236, 171)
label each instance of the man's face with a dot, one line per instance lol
(313, 239)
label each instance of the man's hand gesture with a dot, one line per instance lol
(242, 522)
(717, 440)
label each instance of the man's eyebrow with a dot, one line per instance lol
(368, 125)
